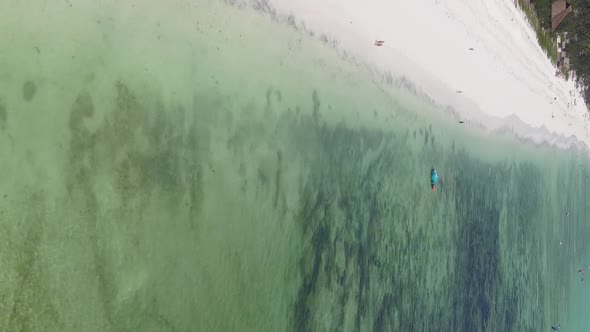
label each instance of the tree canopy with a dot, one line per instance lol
(577, 25)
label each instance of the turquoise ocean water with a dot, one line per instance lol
(196, 166)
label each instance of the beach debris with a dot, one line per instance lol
(379, 42)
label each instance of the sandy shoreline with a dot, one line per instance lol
(478, 60)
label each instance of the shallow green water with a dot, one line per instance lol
(169, 168)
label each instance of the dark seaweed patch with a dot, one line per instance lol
(346, 204)
(144, 144)
(29, 90)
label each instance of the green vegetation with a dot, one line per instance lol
(547, 40)
(578, 49)
(543, 11)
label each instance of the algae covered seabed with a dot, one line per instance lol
(174, 168)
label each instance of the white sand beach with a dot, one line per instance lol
(479, 57)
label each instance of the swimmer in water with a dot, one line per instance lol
(433, 178)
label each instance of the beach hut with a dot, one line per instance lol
(559, 10)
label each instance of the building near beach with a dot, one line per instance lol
(559, 10)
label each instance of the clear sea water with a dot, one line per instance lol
(197, 166)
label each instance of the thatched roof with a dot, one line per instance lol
(559, 10)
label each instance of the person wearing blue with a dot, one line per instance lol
(433, 178)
